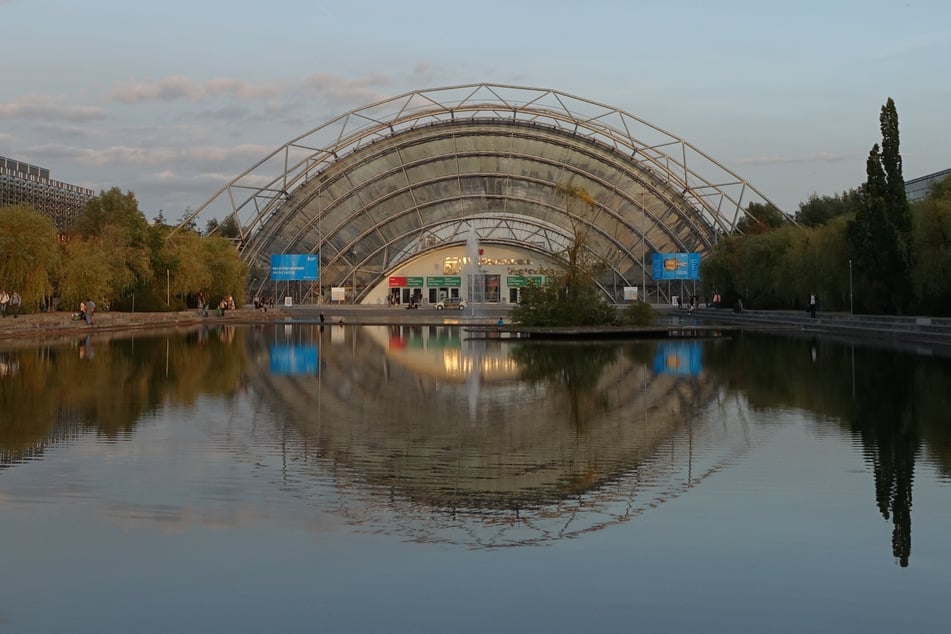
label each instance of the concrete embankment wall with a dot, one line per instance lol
(915, 329)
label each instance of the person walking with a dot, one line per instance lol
(813, 301)
(15, 301)
(90, 311)
(4, 302)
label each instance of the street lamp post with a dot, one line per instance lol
(643, 252)
(614, 274)
(851, 306)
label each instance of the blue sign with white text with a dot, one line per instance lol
(293, 266)
(676, 266)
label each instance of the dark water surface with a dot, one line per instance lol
(408, 479)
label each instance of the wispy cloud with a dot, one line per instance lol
(818, 157)
(48, 108)
(334, 88)
(127, 155)
(178, 87)
(326, 85)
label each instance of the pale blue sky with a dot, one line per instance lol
(172, 99)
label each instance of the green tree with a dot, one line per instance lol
(761, 218)
(111, 223)
(30, 258)
(228, 273)
(830, 250)
(192, 266)
(571, 296)
(941, 190)
(87, 274)
(820, 210)
(111, 208)
(931, 242)
(880, 232)
(226, 229)
(720, 270)
(229, 228)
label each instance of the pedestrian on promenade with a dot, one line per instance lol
(813, 301)
(15, 302)
(4, 301)
(90, 311)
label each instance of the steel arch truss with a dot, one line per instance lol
(382, 184)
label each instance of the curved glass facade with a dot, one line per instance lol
(375, 188)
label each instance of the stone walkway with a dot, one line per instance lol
(61, 323)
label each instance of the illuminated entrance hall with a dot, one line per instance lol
(377, 190)
(494, 275)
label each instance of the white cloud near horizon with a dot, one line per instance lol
(48, 108)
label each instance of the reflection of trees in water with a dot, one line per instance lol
(575, 375)
(886, 423)
(105, 384)
(892, 400)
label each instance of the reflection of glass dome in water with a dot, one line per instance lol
(534, 458)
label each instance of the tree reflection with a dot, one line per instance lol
(105, 384)
(892, 400)
(577, 374)
(887, 426)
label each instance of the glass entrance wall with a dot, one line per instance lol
(484, 288)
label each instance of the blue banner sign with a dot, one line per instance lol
(292, 267)
(294, 360)
(676, 266)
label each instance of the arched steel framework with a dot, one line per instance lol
(377, 186)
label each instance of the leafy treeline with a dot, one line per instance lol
(866, 249)
(115, 257)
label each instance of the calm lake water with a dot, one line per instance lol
(409, 479)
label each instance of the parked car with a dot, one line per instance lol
(451, 303)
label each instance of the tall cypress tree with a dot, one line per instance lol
(880, 233)
(898, 208)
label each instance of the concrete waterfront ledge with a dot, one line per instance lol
(62, 323)
(702, 322)
(34, 325)
(916, 328)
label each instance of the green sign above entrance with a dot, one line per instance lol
(449, 281)
(517, 281)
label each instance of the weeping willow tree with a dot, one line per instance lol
(30, 257)
(570, 296)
